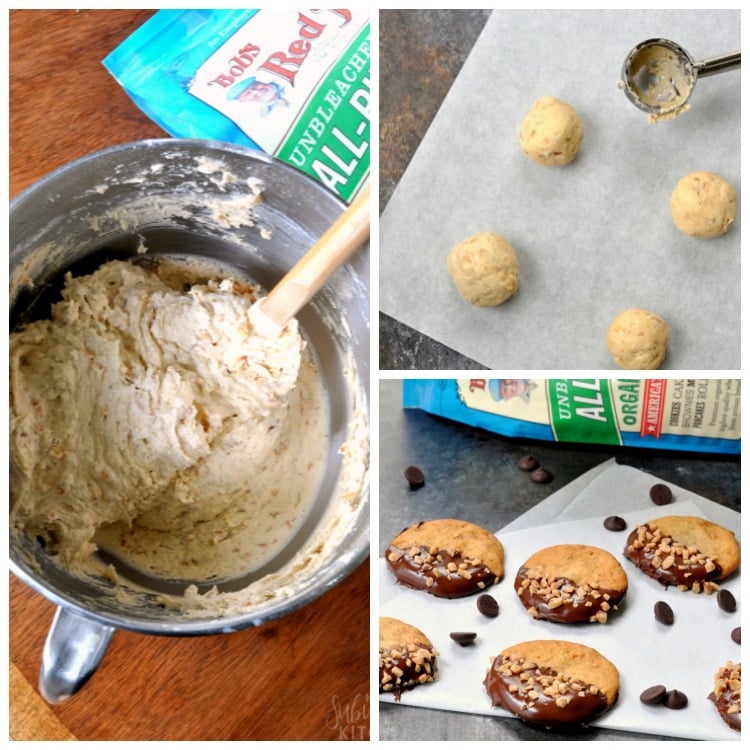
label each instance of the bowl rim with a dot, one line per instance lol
(350, 553)
(145, 143)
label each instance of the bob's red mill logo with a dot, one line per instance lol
(284, 64)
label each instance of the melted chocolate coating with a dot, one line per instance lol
(405, 672)
(724, 700)
(575, 610)
(430, 572)
(543, 710)
(679, 574)
(722, 703)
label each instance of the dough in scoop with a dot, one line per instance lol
(551, 132)
(637, 339)
(703, 205)
(484, 269)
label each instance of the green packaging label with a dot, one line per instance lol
(582, 411)
(298, 84)
(331, 138)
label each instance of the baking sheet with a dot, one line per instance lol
(684, 656)
(592, 238)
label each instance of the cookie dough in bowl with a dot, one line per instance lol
(637, 339)
(155, 424)
(171, 471)
(484, 269)
(704, 205)
(551, 132)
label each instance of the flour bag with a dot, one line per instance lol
(294, 84)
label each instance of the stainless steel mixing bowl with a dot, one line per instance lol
(189, 197)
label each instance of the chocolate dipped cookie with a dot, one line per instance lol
(688, 552)
(571, 583)
(556, 684)
(406, 658)
(727, 694)
(447, 557)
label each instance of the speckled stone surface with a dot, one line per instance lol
(420, 54)
(474, 474)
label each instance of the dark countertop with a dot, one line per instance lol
(421, 53)
(464, 468)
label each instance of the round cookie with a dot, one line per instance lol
(557, 684)
(703, 205)
(406, 656)
(551, 132)
(484, 269)
(637, 339)
(571, 583)
(688, 552)
(727, 694)
(447, 557)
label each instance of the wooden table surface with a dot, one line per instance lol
(304, 676)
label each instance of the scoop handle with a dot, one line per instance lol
(311, 272)
(713, 65)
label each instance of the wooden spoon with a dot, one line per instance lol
(271, 313)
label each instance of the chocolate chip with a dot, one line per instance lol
(463, 639)
(737, 635)
(488, 606)
(414, 477)
(726, 601)
(660, 494)
(675, 699)
(528, 463)
(663, 613)
(615, 523)
(541, 476)
(654, 696)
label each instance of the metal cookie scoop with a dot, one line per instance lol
(658, 76)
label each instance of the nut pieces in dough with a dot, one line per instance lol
(484, 269)
(703, 205)
(153, 422)
(551, 132)
(637, 339)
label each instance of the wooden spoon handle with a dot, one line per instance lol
(309, 274)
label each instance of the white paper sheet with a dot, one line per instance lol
(684, 656)
(592, 238)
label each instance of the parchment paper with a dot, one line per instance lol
(592, 238)
(684, 656)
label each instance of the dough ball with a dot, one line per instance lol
(551, 132)
(637, 339)
(484, 269)
(703, 205)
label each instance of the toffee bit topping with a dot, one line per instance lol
(406, 666)
(531, 682)
(435, 565)
(728, 681)
(667, 553)
(557, 592)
